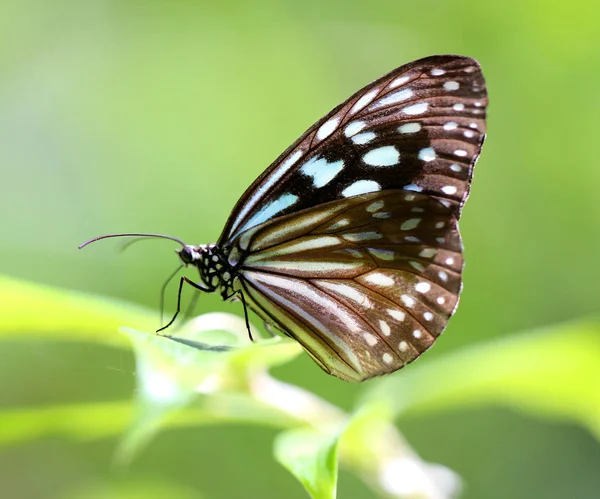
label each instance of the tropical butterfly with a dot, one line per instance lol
(349, 242)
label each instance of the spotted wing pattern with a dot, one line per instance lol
(365, 284)
(349, 242)
(421, 127)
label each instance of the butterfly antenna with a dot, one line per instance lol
(132, 234)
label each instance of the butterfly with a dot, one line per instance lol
(349, 242)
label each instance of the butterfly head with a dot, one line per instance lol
(190, 255)
(215, 270)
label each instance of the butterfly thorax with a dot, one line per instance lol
(216, 272)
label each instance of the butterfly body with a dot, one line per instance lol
(349, 241)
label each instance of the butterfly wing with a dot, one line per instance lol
(420, 127)
(349, 241)
(365, 284)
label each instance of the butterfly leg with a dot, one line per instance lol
(163, 289)
(241, 295)
(181, 282)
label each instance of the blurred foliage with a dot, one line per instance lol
(118, 116)
(212, 359)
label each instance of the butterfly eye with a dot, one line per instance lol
(188, 254)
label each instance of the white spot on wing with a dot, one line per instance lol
(362, 236)
(339, 224)
(428, 252)
(422, 287)
(403, 346)
(382, 254)
(427, 154)
(303, 265)
(363, 138)
(270, 210)
(328, 128)
(382, 214)
(449, 189)
(417, 333)
(451, 85)
(450, 125)
(370, 339)
(354, 127)
(419, 108)
(401, 80)
(412, 187)
(321, 171)
(361, 187)
(428, 316)
(307, 244)
(409, 301)
(394, 98)
(376, 206)
(349, 292)
(379, 279)
(397, 314)
(364, 100)
(417, 266)
(292, 159)
(387, 358)
(437, 72)
(410, 224)
(385, 328)
(382, 156)
(460, 152)
(458, 107)
(410, 128)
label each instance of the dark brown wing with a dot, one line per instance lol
(420, 128)
(365, 284)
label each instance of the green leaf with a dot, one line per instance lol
(65, 315)
(92, 421)
(552, 372)
(210, 354)
(82, 422)
(312, 457)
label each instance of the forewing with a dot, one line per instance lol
(365, 284)
(418, 128)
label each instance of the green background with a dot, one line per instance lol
(155, 116)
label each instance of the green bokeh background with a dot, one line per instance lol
(155, 116)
